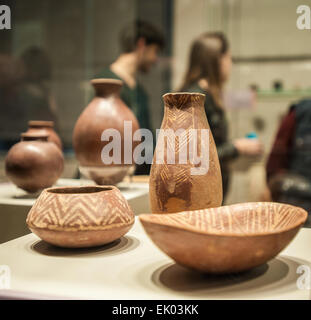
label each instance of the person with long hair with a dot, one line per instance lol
(208, 70)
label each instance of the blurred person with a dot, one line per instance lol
(208, 70)
(24, 93)
(141, 44)
(37, 96)
(11, 108)
(288, 167)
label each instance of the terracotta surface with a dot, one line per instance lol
(34, 163)
(226, 239)
(105, 111)
(45, 127)
(173, 187)
(138, 178)
(79, 217)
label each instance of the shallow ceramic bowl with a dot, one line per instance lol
(226, 239)
(78, 217)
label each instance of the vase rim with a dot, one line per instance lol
(183, 93)
(40, 123)
(107, 80)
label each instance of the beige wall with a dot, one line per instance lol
(265, 29)
(255, 28)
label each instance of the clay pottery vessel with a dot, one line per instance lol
(77, 217)
(105, 111)
(226, 239)
(34, 163)
(177, 187)
(45, 127)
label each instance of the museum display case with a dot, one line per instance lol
(155, 150)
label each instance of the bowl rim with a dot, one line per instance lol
(144, 218)
(106, 188)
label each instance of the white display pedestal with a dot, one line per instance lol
(134, 268)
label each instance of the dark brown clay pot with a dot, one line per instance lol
(45, 127)
(34, 163)
(227, 239)
(105, 111)
(173, 187)
(77, 217)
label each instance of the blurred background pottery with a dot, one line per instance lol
(34, 163)
(77, 217)
(227, 239)
(173, 187)
(105, 111)
(45, 127)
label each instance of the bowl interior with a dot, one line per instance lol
(239, 219)
(78, 190)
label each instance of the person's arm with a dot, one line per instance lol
(278, 159)
(227, 151)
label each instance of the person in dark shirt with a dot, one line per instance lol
(25, 93)
(288, 167)
(208, 70)
(141, 44)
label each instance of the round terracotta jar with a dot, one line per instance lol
(34, 163)
(77, 217)
(105, 111)
(45, 127)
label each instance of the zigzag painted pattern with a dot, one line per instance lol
(246, 218)
(96, 211)
(179, 114)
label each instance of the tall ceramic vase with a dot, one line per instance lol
(185, 174)
(105, 111)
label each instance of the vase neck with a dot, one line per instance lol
(183, 100)
(106, 87)
(34, 137)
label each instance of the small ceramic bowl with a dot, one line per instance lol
(226, 239)
(77, 217)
